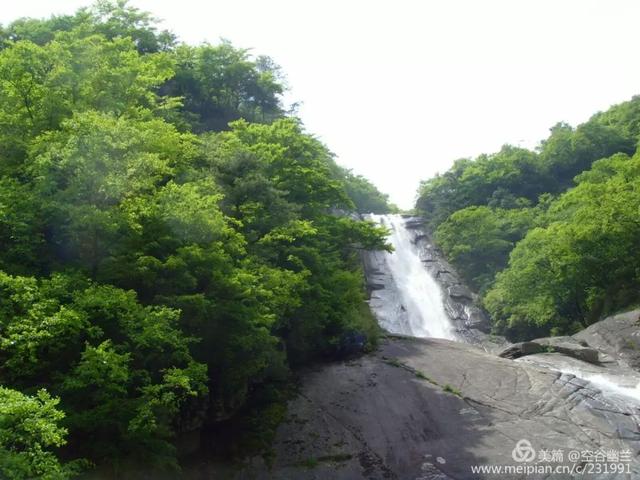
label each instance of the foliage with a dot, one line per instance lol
(478, 240)
(108, 358)
(547, 261)
(221, 83)
(584, 263)
(365, 195)
(507, 179)
(29, 430)
(173, 243)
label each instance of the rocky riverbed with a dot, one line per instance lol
(433, 409)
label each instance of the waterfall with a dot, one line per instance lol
(412, 304)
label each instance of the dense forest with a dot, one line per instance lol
(549, 238)
(173, 245)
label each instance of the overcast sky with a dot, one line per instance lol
(399, 89)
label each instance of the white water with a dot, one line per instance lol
(418, 309)
(413, 305)
(612, 382)
(621, 386)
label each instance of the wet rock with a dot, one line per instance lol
(414, 223)
(521, 349)
(376, 277)
(447, 278)
(426, 408)
(376, 283)
(428, 255)
(570, 347)
(475, 318)
(564, 345)
(455, 311)
(418, 238)
(459, 292)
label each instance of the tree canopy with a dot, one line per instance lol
(546, 236)
(173, 245)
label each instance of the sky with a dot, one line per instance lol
(400, 89)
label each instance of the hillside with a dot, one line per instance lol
(547, 237)
(171, 246)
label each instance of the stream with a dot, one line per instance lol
(411, 303)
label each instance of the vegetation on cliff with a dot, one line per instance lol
(548, 237)
(170, 243)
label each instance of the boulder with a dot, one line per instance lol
(565, 345)
(570, 347)
(521, 349)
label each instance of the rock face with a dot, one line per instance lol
(617, 337)
(432, 409)
(460, 304)
(614, 342)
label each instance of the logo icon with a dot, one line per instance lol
(523, 451)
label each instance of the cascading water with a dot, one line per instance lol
(614, 382)
(407, 300)
(414, 305)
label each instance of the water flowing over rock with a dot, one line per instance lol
(405, 297)
(415, 291)
(432, 409)
(441, 396)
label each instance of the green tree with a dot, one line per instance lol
(583, 264)
(107, 357)
(222, 83)
(365, 195)
(40, 86)
(478, 240)
(163, 269)
(29, 431)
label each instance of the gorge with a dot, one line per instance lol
(194, 286)
(437, 400)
